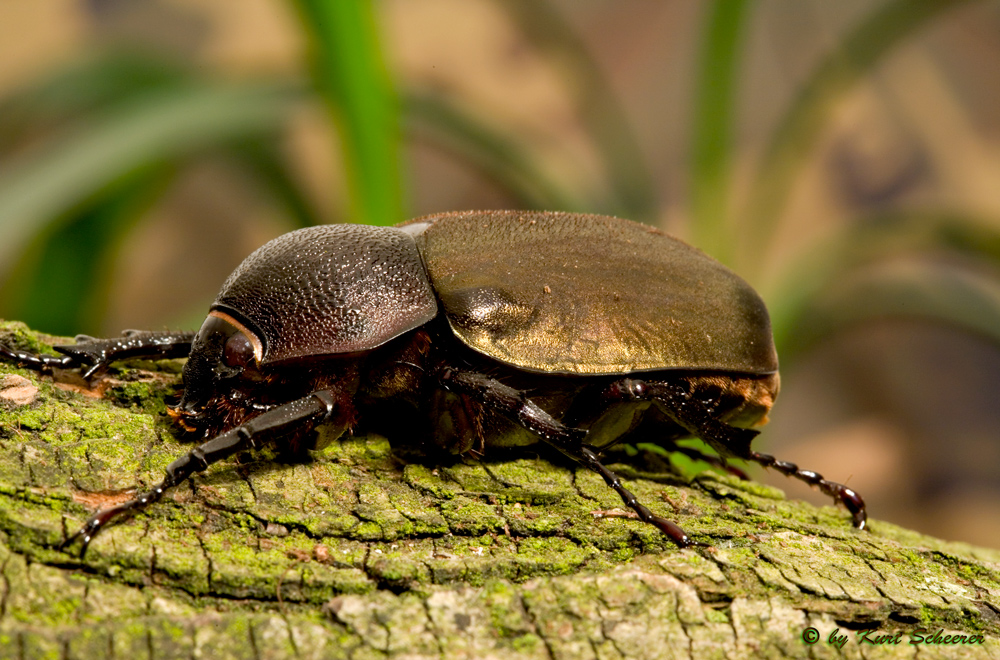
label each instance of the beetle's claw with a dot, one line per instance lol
(94, 525)
(688, 542)
(83, 535)
(675, 532)
(856, 505)
(89, 530)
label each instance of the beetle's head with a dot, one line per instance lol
(224, 356)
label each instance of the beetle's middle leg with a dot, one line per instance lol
(301, 415)
(516, 406)
(676, 400)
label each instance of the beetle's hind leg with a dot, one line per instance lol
(699, 418)
(300, 415)
(516, 406)
(849, 498)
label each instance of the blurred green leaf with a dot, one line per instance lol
(349, 73)
(69, 95)
(46, 183)
(61, 281)
(497, 155)
(716, 91)
(265, 159)
(801, 127)
(923, 289)
(864, 245)
(597, 103)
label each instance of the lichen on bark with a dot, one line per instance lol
(357, 553)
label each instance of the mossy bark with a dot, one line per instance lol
(358, 554)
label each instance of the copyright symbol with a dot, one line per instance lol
(810, 635)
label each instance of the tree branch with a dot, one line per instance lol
(358, 553)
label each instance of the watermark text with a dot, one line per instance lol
(914, 637)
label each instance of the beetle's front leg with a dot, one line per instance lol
(301, 415)
(676, 400)
(97, 354)
(38, 361)
(516, 406)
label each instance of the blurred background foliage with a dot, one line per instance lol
(843, 157)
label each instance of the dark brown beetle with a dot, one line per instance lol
(442, 326)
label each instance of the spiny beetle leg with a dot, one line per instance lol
(516, 406)
(299, 415)
(38, 361)
(694, 415)
(849, 498)
(674, 531)
(99, 353)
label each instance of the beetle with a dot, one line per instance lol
(468, 331)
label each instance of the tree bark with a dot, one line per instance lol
(357, 553)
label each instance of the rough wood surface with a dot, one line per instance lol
(358, 554)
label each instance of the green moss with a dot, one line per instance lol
(427, 481)
(397, 571)
(470, 517)
(502, 601)
(20, 420)
(550, 556)
(717, 616)
(527, 643)
(367, 531)
(146, 395)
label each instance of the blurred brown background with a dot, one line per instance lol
(903, 410)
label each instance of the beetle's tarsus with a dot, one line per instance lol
(98, 354)
(849, 498)
(94, 524)
(671, 529)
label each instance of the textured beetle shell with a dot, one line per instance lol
(330, 289)
(584, 294)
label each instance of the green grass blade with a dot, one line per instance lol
(714, 110)
(801, 127)
(349, 72)
(47, 183)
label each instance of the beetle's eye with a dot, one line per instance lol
(238, 351)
